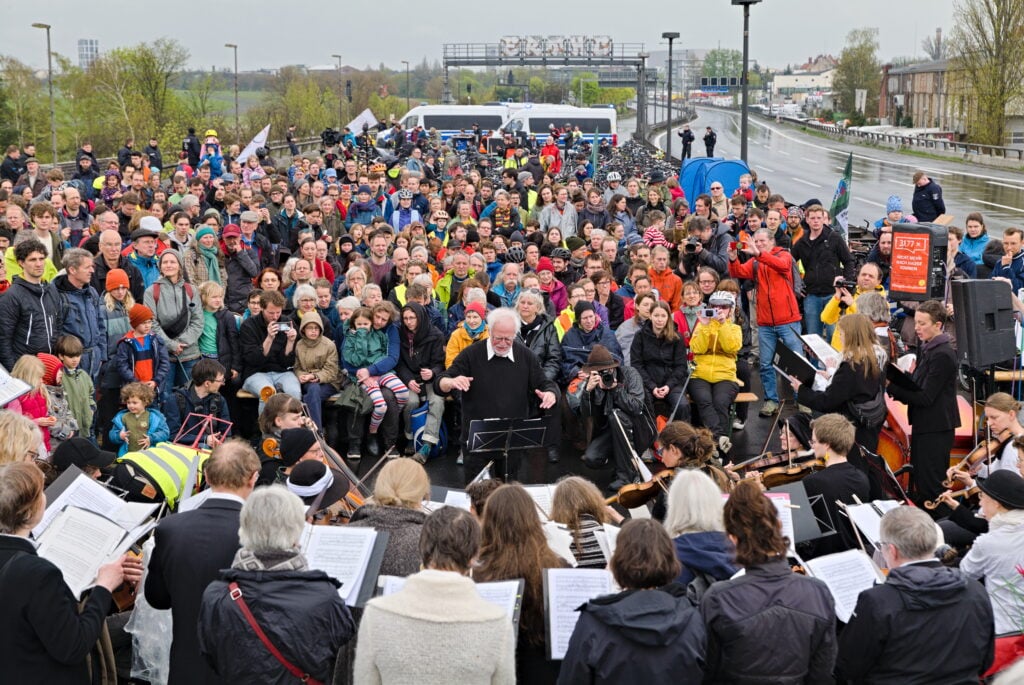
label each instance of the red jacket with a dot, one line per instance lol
(776, 301)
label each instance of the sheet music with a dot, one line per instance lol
(606, 538)
(565, 591)
(430, 506)
(829, 356)
(193, 502)
(11, 388)
(457, 498)
(78, 542)
(503, 593)
(341, 552)
(868, 517)
(783, 508)
(86, 493)
(560, 541)
(847, 574)
(542, 495)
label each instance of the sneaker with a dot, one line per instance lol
(420, 456)
(769, 408)
(804, 410)
(738, 425)
(724, 444)
(460, 460)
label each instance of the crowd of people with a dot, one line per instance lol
(335, 307)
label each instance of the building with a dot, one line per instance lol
(918, 95)
(800, 85)
(88, 51)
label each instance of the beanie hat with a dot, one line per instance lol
(574, 242)
(477, 307)
(51, 365)
(295, 442)
(139, 314)
(524, 176)
(205, 230)
(117, 278)
(517, 237)
(544, 264)
(150, 223)
(893, 204)
(583, 306)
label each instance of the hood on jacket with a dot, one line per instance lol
(422, 322)
(62, 284)
(311, 317)
(924, 587)
(653, 618)
(177, 255)
(708, 552)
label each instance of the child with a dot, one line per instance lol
(138, 427)
(219, 339)
(745, 191)
(35, 404)
(76, 384)
(316, 365)
(365, 353)
(279, 413)
(472, 329)
(141, 355)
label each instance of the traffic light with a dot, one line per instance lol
(348, 91)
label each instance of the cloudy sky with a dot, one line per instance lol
(271, 34)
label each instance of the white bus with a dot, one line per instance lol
(536, 121)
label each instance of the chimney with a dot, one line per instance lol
(938, 38)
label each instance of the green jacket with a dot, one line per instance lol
(79, 392)
(443, 289)
(364, 347)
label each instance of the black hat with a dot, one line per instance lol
(346, 239)
(574, 242)
(295, 442)
(472, 236)
(80, 452)
(1005, 487)
(583, 306)
(311, 477)
(657, 176)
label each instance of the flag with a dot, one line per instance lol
(593, 153)
(840, 210)
(259, 141)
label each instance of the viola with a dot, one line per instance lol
(767, 459)
(965, 495)
(977, 457)
(791, 472)
(635, 495)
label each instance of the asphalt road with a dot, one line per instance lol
(801, 167)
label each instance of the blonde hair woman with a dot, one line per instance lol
(578, 505)
(20, 438)
(397, 508)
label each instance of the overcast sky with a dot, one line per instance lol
(782, 31)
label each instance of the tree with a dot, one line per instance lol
(858, 69)
(112, 78)
(151, 68)
(722, 62)
(987, 60)
(25, 98)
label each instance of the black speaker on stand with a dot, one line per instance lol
(983, 314)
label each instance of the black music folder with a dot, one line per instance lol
(793, 365)
(900, 378)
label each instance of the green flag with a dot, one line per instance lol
(593, 153)
(840, 210)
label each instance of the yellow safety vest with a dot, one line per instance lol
(167, 465)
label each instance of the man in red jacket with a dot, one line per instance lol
(778, 314)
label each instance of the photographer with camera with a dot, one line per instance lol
(707, 245)
(869, 280)
(614, 392)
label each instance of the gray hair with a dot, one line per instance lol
(371, 288)
(474, 295)
(911, 531)
(271, 520)
(356, 271)
(873, 306)
(420, 250)
(301, 291)
(503, 314)
(189, 201)
(532, 296)
(350, 302)
(598, 233)
(694, 504)
(75, 257)
(424, 279)
(510, 265)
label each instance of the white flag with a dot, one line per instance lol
(259, 141)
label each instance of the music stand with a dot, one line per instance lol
(807, 525)
(504, 435)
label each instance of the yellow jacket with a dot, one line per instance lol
(715, 346)
(831, 313)
(459, 341)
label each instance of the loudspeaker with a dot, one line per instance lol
(983, 313)
(918, 269)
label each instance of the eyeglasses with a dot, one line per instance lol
(219, 380)
(32, 454)
(716, 187)
(503, 338)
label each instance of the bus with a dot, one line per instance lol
(537, 120)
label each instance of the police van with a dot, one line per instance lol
(536, 120)
(451, 120)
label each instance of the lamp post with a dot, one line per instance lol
(406, 63)
(744, 115)
(238, 126)
(641, 119)
(669, 36)
(49, 82)
(341, 95)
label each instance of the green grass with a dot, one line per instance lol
(224, 100)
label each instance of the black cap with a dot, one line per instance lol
(310, 472)
(1005, 487)
(80, 452)
(295, 442)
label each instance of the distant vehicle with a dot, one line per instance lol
(450, 120)
(536, 120)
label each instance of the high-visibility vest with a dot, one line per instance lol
(167, 465)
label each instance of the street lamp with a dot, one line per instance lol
(406, 63)
(238, 126)
(49, 82)
(744, 115)
(669, 36)
(641, 118)
(341, 95)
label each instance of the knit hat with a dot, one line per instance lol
(204, 231)
(472, 236)
(517, 237)
(796, 211)
(544, 264)
(477, 307)
(599, 359)
(174, 253)
(139, 314)
(523, 176)
(574, 242)
(117, 278)
(295, 442)
(310, 478)
(51, 365)
(364, 189)
(893, 204)
(583, 306)
(1005, 487)
(150, 223)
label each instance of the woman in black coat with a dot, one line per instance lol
(658, 353)
(43, 636)
(420, 360)
(932, 406)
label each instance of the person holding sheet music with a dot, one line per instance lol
(513, 545)
(648, 633)
(445, 631)
(932, 405)
(925, 624)
(270, 585)
(44, 638)
(578, 505)
(740, 614)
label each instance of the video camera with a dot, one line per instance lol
(329, 137)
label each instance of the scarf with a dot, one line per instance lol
(502, 217)
(473, 332)
(1012, 518)
(209, 255)
(279, 560)
(368, 206)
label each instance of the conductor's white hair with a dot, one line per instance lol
(271, 520)
(503, 314)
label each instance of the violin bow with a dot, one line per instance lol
(775, 425)
(637, 462)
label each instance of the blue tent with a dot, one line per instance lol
(696, 175)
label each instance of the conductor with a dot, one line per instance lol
(500, 378)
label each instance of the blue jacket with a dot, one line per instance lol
(361, 216)
(576, 347)
(125, 360)
(508, 299)
(183, 402)
(965, 264)
(216, 161)
(975, 247)
(158, 430)
(81, 314)
(1015, 271)
(147, 266)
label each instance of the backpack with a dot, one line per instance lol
(180, 323)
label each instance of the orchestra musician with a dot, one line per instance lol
(281, 411)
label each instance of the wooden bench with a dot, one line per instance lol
(743, 397)
(1007, 376)
(245, 395)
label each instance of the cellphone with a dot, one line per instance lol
(735, 246)
(708, 313)
(284, 327)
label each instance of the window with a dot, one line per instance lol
(458, 122)
(586, 124)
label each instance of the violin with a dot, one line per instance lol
(965, 495)
(977, 457)
(791, 472)
(766, 459)
(635, 495)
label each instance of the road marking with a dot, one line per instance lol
(901, 183)
(812, 161)
(808, 183)
(993, 204)
(1004, 185)
(762, 167)
(870, 202)
(780, 152)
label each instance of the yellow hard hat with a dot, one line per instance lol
(210, 132)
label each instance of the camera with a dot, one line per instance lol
(607, 377)
(849, 285)
(691, 245)
(707, 313)
(284, 327)
(329, 137)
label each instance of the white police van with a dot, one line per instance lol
(536, 120)
(451, 120)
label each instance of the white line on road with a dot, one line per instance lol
(781, 152)
(870, 202)
(1004, 185)
(993, 204)
(762, 167)
(806, 183)
(902, 183)
(812, 161)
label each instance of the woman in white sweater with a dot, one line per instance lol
(437, 629)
